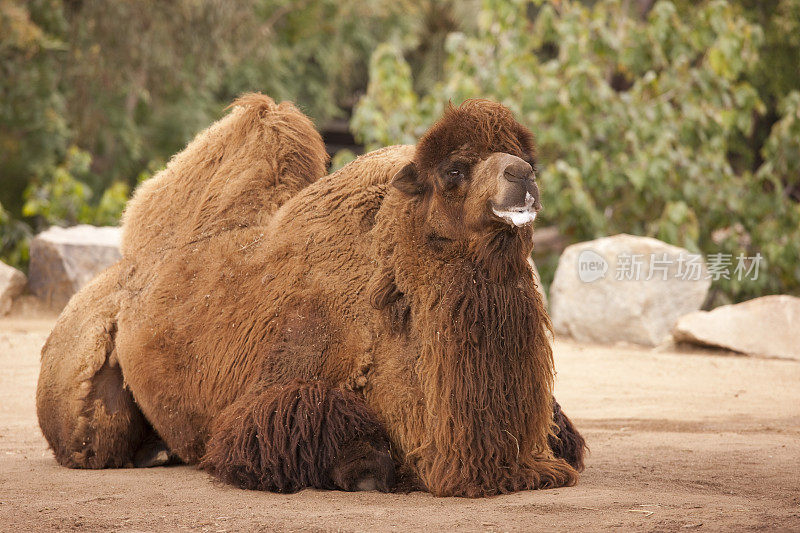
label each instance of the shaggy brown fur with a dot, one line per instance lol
(484, 362)
(288, 437)
(391, 278)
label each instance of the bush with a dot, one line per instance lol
(14, 239)
(640, 124)
(130, 83)
(62, 197)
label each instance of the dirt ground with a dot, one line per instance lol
(680, 440)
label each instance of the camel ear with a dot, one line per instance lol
(407, 181)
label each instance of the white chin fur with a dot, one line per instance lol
(516, 218)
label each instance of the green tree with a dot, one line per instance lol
(141, 78)
(62, 197)
(33, 131)
(124, 85)
(638, 122)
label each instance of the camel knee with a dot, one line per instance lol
(85, 412)
(302, 434)
(97, 425)
(111, 426)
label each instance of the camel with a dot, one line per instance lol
(374, 328)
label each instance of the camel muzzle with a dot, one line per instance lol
(516, 201)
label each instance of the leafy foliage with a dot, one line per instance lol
(121, 86)
(679, 123)
(63, 199)
(640, 123)
(14, 238)
(33, 131)
(143, 77)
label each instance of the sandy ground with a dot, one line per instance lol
(680, 441)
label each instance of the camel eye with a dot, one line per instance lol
(454, 175)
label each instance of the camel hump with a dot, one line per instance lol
(234, 174)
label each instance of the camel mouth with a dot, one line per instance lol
(518, 216)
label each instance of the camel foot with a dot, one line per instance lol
(363, 466)
(154, 452)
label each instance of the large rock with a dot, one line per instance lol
(63, 260)
(625, 288)
(769, 325)
(12, 283)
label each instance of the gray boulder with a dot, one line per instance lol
(63, 260)
(625, 288)
(12, 283)
(769, 325)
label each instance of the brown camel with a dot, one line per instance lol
(286, 330)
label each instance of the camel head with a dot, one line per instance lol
(472, 179)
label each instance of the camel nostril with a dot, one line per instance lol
(517, 171)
